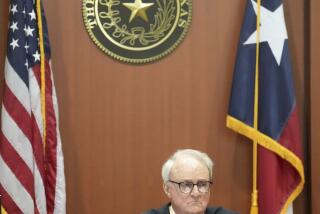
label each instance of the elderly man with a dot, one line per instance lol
(187, 178)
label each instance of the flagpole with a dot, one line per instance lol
(254, 195)
(42, 73)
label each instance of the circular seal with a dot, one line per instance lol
(137, 31)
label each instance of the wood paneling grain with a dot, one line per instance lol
(120, 122)
(315, 105)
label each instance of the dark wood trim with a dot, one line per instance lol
(315, 104)
(307, 117)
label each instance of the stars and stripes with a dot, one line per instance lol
(31, 160)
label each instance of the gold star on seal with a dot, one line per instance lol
(138, 8)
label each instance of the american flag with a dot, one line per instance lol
(31, 160)
(280, 168)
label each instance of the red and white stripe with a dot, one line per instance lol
(32, 173)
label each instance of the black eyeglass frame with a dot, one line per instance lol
(194, 184)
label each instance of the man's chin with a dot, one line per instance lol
(196, 207)
(196, 204)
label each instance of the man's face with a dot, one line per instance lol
(187, 170)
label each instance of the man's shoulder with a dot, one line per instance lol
(209, 210)
(219, 210)
(162, 210)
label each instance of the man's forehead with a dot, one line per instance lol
(187, 161)
(187, 166)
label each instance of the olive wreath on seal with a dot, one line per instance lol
(163, 19)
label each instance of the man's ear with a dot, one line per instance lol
(166, 189)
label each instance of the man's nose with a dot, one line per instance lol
(195, 191)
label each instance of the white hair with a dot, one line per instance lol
(201, 156)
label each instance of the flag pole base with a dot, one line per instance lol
(254, 202)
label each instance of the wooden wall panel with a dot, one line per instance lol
(120, 122)
(315, 105)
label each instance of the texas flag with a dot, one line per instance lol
(280, 172)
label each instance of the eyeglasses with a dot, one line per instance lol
(187, 186)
